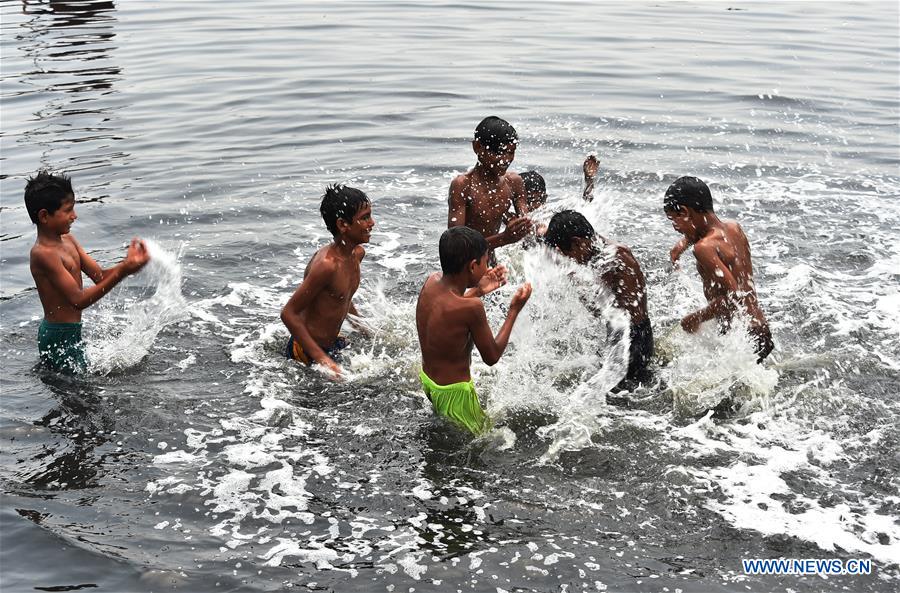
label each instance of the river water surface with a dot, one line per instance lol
(193, 457)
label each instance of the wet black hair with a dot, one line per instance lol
(494, 133)
(458, 246)
(46, 191)
(565, 226)
(688, 191)
(534, 183)
(341, 202)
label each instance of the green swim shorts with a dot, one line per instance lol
(458, 402)
(61, 346)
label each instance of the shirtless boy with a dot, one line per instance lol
(574, 237)
(57, 263)
(723, 261)
(480, 198)
(450, 318)
(317, 309)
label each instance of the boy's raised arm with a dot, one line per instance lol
(491, 348)
(315, 281)
(713, 270)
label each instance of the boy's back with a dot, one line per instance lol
(443, 319)
(450, 319)
(729, 245)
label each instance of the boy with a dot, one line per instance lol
(574, 237)
(450, 318)
(57, 262)
(317, 309)
(535, 190)
(480, 198)
(535, 197)
(723, 261)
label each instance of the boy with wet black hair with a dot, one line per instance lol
(535, 190)
(480, 198)
(723, 261)
(572, 234)
(57, 263)
(317, 309)
(450, 319)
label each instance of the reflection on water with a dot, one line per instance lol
(70, 48)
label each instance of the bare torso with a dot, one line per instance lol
(487, 201)
(57, 308)
(442, 321)
(326, 313)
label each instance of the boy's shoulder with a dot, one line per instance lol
(461, 182)
(44, 253)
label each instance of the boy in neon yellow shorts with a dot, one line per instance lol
(450, 319)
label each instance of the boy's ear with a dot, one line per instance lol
(342, 225)
(43, 215)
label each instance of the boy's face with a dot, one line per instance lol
(359, 230)
(496, 161)
(60, 222)
(535, 199)
(580, 249)
(682, 221)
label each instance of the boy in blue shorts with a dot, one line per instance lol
(57, 263)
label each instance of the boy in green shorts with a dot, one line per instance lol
(450, 319)
(57, 263)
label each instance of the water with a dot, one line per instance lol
(194, 458)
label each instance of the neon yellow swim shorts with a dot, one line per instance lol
(458, 402)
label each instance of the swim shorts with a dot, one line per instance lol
(640, 350)
(61, 347)
(295, 351)
(457, 402)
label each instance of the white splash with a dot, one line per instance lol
(123, 329)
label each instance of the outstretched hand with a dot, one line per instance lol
(676, 252)
(691, 323)
(521, 297)
(136, 257)
(590, 167)
(330, 368)
(492, 280)
(517, 228)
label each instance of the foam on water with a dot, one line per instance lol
(124, 325)
(267, 468)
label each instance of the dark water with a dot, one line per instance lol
(195, 458)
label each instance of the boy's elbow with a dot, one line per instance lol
(491, 359)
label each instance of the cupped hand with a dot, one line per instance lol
(517, 228)
(137, 256)
(521, 297)
(492, 280)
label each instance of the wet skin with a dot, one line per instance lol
(317, 309)
(451, 319)
(723, 260)
(57, 262)
(480, 198)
